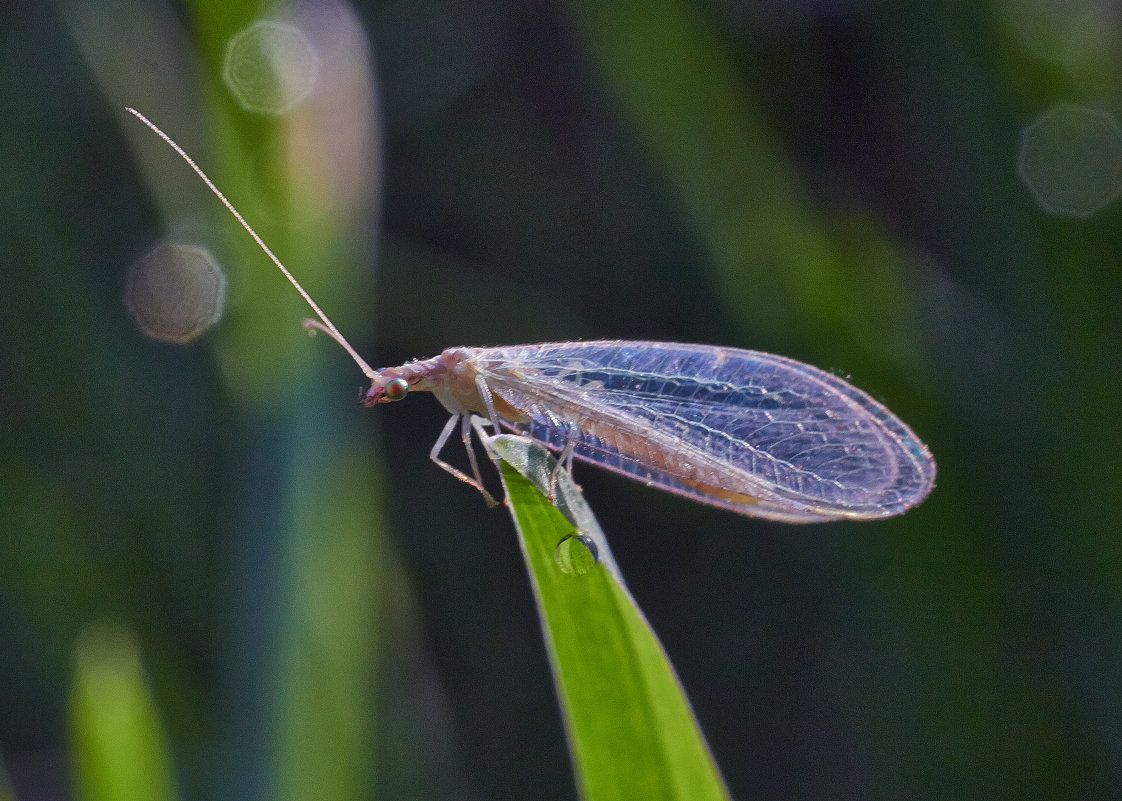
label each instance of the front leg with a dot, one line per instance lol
(434, 454)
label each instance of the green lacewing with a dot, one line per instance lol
(751, 432)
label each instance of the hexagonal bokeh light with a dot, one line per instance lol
(270, 67)
(175, 292)
(1071, 160)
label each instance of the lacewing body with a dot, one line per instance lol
(757, 434)
(754, 433)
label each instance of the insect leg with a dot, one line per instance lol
(465, 435)
(564, 463)
(434, 454)
(565, 460)
(559, 465)
(489, 402)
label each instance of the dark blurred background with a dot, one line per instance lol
(852, 183)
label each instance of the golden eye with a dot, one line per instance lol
(396, 389)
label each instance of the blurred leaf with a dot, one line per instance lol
(321, 705)
(6, 793)
(786, 274)
(630, 727)
(308, 179)
(118, 743)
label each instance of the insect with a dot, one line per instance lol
(754, 433)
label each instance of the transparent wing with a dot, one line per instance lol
(759, 434)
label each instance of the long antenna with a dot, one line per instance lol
(327, 326)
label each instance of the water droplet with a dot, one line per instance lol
(575, 554)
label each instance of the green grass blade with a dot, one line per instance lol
(118, 743)
(630, 727)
